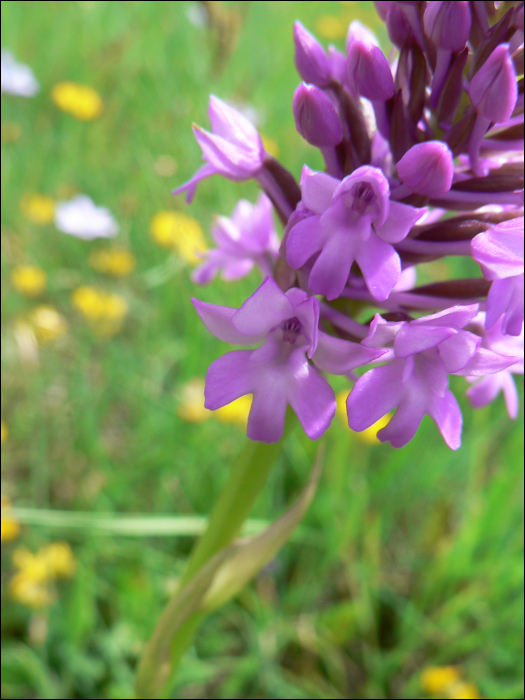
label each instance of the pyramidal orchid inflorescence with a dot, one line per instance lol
(424, 160)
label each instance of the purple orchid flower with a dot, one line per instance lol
(234, 149)
(277, 373)
(499, 252)
(351, 220)
(485, 389)
(425, 352)
(249, 238)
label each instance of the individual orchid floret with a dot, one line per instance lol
(249, 238)
(369, 74)
(493, 91)
(352, 220)
(426, 351)
(278, 373)
(427, 168)
(315, 117)
(17, 78)
(499, 252)
(234, 149)
(311, 60)
(485, 389)
(80, 217)
(447, 24)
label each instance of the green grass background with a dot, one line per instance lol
(408, 558)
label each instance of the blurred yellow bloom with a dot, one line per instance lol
(178, 231)
(330, 27)
(29, 280)
(46, 323)
(29, 592)
(38, 208)
(61, 561)
(463, 691)
(33, 566)
(437, 680)
(5, 433)
(113, 261)
(10, 526)
(236, 412)
(104, 311)
(368, 436)
(270, 146)
(78, 100)
(11, 132)
(191, 406)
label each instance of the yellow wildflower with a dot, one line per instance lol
(81, 101)
(38, 208)
(175, 230)
(29, 592)
(270, 146)
(61, 561)
(368, 436)
(436, 680)
(11, 132)
(330, 27)
(105, 311)
(10, 526)
(5, 433)
(191, 407)
(235, 412)
(46, 323)
(113, 261)
(29, 280)
(463, 691)
(34, 566)
(165, 166)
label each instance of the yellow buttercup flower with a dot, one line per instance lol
(178, 231)
(235, 412)
(368, 436)
(38, 208)
(81, 101)
(5, 432)
(29, 592)
(60, 560)
(10, 526)
(270, 146)
(29, 280)
(463, 691)
(191, 406)
(331, 28)
(113, 261)
(104, 311)
(46, 323)
(437, 680)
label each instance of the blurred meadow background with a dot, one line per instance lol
(405, 579)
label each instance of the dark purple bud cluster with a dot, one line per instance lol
(424, 159)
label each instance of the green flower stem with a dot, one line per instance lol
(248, 476)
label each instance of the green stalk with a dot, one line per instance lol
(248, 476)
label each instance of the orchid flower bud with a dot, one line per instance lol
(397, 25)
(369, 74)
(448, 24)
(311, 61)
(427, 168)
(493, 90)
(315, 117)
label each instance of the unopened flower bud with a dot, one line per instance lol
(493, 89)
(311, 61)
(369, 74)
(448, 24)
(427, 168)
(315, 117)
(358, 32)
(397, 25)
